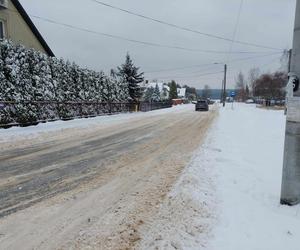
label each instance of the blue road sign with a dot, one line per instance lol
(232, 94)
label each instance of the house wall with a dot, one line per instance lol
(17, 30)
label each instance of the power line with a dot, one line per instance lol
(210, 64)
(179, 68)
(138, 41)
(182, 27)
(235, 29)
(212, 73)
(195, 72)
(194, 76)
(253, 57)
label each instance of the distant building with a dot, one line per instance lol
(181, 93)
(16, 25)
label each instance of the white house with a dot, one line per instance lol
(181, 92)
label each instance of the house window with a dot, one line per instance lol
(2, 29)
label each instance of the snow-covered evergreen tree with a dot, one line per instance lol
(113, 87)
(132, 77)
(75, 77)
(173, 91)
(65, 91)
(58, 81)
(99, 85)
(47, 88)
(11, 71)
(84, 75)
(70, 88)
(3, 83)
(90, 93)
(156, 94)
(148, 94)
(122, 88)
(55, 66)
(7, 89)
(118, 87)
(165, 93)
(17, 73)
(27, 87)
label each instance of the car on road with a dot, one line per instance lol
(250, 101)
(202, 105)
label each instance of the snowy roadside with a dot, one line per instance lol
(34, 131)
(249, 167)
(228, 196)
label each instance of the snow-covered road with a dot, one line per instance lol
(93, 183)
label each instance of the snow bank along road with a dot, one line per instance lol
(93, 186)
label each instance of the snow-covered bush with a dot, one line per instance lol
(44, 88)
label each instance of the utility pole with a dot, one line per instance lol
(224, 85)
(290, 189)
(222, 89)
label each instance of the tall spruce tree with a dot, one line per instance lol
(173, 91)
(132, 78)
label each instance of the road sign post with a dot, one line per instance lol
(232, 95)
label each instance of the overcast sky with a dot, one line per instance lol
(265, 22)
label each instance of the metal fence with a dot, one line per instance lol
(149, 106)
(28, 113)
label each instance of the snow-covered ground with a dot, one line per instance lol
(228, 196)
(249, 169)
